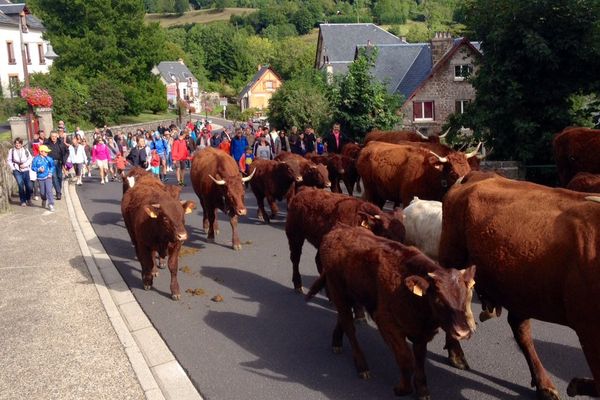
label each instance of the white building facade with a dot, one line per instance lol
(176, 76)
(11, 42)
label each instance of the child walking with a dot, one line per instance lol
(155, 164)
(44, 167)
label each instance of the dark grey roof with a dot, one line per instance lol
(340, 67)
(255, 79)
(169, 70)
(9, 15)
(417, 73)
(340, 40)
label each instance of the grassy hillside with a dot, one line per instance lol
(199, 17)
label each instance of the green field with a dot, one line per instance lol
(196, 17)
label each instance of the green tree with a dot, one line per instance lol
(303, 20)
(156, 100)
(107, 102)
(102, 38)
(362, 103)
(301, 101)
(293, 55)
(536, 56)
(392, 11)
(181, 6)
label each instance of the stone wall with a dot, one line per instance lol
(510, 169)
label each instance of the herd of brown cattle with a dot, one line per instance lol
(531, 249)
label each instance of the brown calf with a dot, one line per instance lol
(273, 180)
(155, 221)
(406, 293)
(312, 213)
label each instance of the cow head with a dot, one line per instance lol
(285, 174)
(335, 163)
(453, 166)
(169, 214)
(231, 189)
(388, 224)
(449, 292)
(317, 176)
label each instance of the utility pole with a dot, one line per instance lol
(178, 105)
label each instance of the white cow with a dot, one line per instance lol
(423, 223)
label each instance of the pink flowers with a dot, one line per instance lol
(37, 97)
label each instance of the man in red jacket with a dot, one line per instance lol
(180, 154)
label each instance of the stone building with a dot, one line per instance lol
(431, 77)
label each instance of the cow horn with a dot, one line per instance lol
(420, 134)
(156, 205)
(593, 198)
(218, 182)
(471, 154)
(444, 135)
(442, 159)
(246, 179)
(483, 152)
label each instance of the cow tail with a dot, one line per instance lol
(316, 287)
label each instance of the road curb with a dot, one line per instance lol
(158, 372)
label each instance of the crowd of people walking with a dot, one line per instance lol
(40, 166)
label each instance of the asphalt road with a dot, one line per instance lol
(264, 342)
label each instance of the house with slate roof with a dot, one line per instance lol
(258, 92)
(176, 76)
(431, 77)
(11, 38)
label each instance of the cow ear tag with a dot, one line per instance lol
(416, 285)
(150, 212)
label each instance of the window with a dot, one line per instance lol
(462, 71)
(460, 106)
(11, 53)
(269, 85)
(41, 54)
(14, 85)
(27, 56)
(423, 110)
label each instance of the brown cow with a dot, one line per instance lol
(273, 180)
(315, 175)
(312, 213)
(585, 182)
(406, 293)
(576, 150)
(401, 136)
(335, 167)
(132, 176)
(351, 177)
(400, 172)
(536, 251)
(217, 181)
(155, 222)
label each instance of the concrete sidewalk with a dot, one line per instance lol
(65, 333)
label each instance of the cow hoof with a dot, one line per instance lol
(155, 273)
(458, 361)
(400, 390)
(176, 297)
(162, 265)
(364, 375)
(237, 247)
(582, 387)
(548, 394)
(485, 315)
(337, 349)
(147, 287)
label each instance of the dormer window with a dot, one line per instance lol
(463, 71)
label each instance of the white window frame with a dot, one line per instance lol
(463, 105)
(423, 111)
(461, 75)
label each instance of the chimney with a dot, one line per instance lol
(329, 73)
(440, 44)
(259, 67)
(403, 39)
(180, 61)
